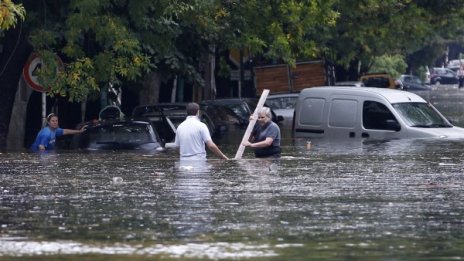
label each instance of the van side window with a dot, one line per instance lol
(343, 113)
(312, 111)
(377, 116)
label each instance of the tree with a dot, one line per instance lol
(10, 13)
(96, 45)
(277, 30)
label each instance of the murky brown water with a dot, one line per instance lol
(397, 200)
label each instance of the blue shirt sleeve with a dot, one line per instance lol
(59, 132)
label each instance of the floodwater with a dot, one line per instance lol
(395, 200)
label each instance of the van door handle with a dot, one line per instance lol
(365, 135)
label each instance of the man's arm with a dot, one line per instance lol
(212, 146)
(262, 144)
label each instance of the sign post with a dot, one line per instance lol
(30, 74)
(251, 124)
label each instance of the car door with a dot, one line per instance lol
(378, 121)
(449, 77)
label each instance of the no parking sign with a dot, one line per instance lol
(31, 69)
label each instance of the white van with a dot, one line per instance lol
(368, 113)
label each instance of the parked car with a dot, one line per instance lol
(239, 106)
(454, 65)
(440, 75)
(350, 83)
(283, 104)
(427, 75)
(253, 102)
(368, 114)
(242, 107)
(380, 80)
(413, 83)
(118, 135)
(165, 117)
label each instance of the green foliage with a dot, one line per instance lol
(391, 64)
(98, 48)
(118, 41)
(276, 29)
(10, 13)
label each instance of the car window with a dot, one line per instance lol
(420, 115)
(281, 103)
(274, 103)
(240, 109)
(120, 133)
(377, 82)
(377, 116)
(416, 80)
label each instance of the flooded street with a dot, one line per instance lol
(395, 200)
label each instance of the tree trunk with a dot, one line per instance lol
(151, 88)
(17, 126)
(13, 55)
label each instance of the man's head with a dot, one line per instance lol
(192, 109)
(264, 115)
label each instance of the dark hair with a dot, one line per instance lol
(50, 116)
(192, 109)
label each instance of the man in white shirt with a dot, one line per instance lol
(192, 135)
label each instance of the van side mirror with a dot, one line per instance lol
(392, 125)
(280, 118)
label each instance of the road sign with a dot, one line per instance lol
(31, 69)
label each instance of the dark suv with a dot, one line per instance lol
(443, 76)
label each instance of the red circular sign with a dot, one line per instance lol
(30, 70)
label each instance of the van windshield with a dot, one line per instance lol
(421, 115)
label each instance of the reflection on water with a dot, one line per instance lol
(399, 199)
(392, 200)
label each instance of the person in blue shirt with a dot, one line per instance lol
(45, 140)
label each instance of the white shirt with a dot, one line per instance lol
(191, 137)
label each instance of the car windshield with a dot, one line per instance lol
(240, 110)
(119, 133)
(421, 115)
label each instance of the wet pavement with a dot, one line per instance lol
(395, 200)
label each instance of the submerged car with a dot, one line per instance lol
(440, 76)
(350, 83)
(368, 113)
(283, 104)
(119, 135)
(413, 83)
(239, 106)
(165, 117)
(380, 80)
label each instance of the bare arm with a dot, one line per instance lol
(70, 131)
(212, 146)
(262, 144)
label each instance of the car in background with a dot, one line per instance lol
(118, 135)
(165, 117)
(413, 83)
(242, 107)
(440, 76)
(239, 106)
(454, 65)
(283, 104)
(380, 80)
(350, 83)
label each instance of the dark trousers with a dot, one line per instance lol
(461, 82)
